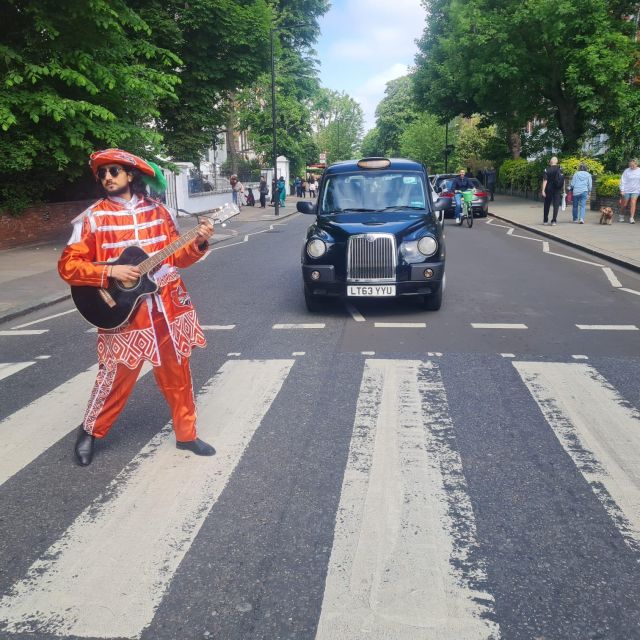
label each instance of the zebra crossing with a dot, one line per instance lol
(405, 559)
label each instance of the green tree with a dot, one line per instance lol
(340, 121)
(566, 62)
(371, 146)
(223, 45)
(73, 81)
(424, 141)
(396, 111)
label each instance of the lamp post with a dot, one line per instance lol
(274, 133)
(276, 200)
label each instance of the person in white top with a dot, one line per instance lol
(630, 190)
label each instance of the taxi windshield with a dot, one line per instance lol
(373, 191)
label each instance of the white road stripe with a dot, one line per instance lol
(485, 325)
(355, 314)
(607, 327)
(23, 332)
(318, 325)
(405, 526)
(545, 248)
(9, 368)
(508, 355)
(298, 353)
(29, 432)
(579, 357)
(611, 277)
(635, 293)
(56, 315)
(598, 429)
(400, 325)
(218, 327)
(134, 536)
(368, 353)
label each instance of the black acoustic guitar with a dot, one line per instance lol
(111, 307)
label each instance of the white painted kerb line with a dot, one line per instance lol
(218, 327)
(134, 537)
(24, 332)
(598, 430)
(9, 368)
(56, 315)
(486, 325)
(607, 327)
(394, 572)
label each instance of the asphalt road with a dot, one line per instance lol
(387, 473)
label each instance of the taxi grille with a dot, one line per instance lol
(371, 257)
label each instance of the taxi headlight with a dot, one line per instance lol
(316, 248)
(427, 246)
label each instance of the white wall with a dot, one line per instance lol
(200, 202)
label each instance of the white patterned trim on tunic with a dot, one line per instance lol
(101, 390)
(130, 243)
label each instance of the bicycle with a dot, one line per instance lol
(467, 207)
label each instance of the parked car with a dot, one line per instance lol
(376, 234)
(442, 187)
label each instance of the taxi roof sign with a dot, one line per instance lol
(374, 163)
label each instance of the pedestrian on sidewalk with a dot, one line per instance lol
(630, 190)
(312, 186)
(490, 177)
(237, 188)
(552, 188)
(303, 188)
(263, 190)
(282, 190)
(163, 328)
(581, 185)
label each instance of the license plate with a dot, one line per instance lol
(371, 290)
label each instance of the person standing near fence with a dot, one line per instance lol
(263, 190)
(490, 177)
(237, 191)
(552, 187)
(630, 190)
(581, 185)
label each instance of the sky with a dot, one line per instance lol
(366, 43)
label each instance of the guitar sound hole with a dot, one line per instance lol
(128, 285)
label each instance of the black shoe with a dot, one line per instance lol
(197, 446)
(84, 447)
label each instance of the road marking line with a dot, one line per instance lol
(234, 353)
(42, 357)
(134, 536)
(355, 314)
(636, 293)
(400, 325)
(607, 327)
(579, 357)
(29, 432)
(599, 431)
(611, 277)
(488, 325)
(218, 327)
(510, 231)
(516, 235)
(405, 526)
(298, 353)
(495, 224)
(368, 353)
(319, 325)
(545, 249)
(92, 330)
(508, 355)
(9, 368)
(23, 332)
(433, 354)
(57, 315)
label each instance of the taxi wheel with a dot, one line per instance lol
(433, 301)
(313, 303)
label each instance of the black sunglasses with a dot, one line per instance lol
(114, 171)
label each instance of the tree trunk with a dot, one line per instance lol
(232, 152)
(515, 144)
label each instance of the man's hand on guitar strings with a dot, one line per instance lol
(126, 273)
(205, 231)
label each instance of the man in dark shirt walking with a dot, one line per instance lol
(552, 187)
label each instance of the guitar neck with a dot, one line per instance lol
(219, 215)
(153, 261)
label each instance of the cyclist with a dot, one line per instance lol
(459, 184)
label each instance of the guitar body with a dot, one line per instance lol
(111, 307)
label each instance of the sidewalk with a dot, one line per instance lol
(619, 242)
(29, 276)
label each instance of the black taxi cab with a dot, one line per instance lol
(377, 234)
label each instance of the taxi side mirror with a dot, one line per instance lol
(306, 207)
(441, 204)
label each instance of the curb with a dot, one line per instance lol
(594, 252)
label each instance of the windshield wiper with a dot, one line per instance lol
(402, 206)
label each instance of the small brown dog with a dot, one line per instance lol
(606, 215)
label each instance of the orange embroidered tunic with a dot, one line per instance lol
(100, 234)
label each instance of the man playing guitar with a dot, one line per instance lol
(164, 327)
